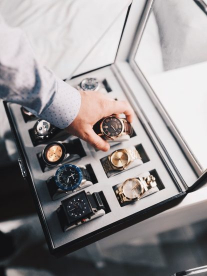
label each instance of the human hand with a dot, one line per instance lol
(95, 106)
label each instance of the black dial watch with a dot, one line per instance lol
(112, 127)
(79, 209)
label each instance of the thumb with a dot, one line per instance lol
(96, 141)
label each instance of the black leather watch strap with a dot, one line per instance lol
(86, 174)
(74, 147)
(95, 201)
(97, 128)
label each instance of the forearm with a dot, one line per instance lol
(26, 82)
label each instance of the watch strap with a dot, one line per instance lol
(74, 147)
(107, 165)
(127, 127)
(86, 175)
(95, 201)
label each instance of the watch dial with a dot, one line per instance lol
(120, 159)
(112, 126)
(43, 127)
(132, 188)
(89, 84)
(54, 153)
(78, 207)
(68, 177)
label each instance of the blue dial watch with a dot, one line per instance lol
(68, 177)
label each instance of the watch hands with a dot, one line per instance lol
(113, 127)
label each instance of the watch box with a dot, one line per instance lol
(166, 155)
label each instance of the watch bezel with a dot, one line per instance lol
(61, 186)
(111, 137)
(84, 80)
(44, 152)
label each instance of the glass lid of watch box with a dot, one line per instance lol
(70, 37)
(172, 57)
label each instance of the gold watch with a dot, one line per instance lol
(112, 127)
(120, 159)
(134, 188)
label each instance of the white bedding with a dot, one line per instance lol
(63, 32)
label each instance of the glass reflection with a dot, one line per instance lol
(173, 57)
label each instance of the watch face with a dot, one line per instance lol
(42, 127)
(132, 188)
(78, 206)
(89, 84)
(68, 177)
(120, 158)
(112, 126)
(54, 153)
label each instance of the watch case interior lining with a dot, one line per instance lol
(93, 157)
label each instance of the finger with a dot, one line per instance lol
(119, 107)
(96, 141)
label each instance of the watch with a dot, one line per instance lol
(112, 127)
(57, 152)
(68, 179)
(89, 84)
(134, 188)
(120, 159)
(43, 130)
(79, 209)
